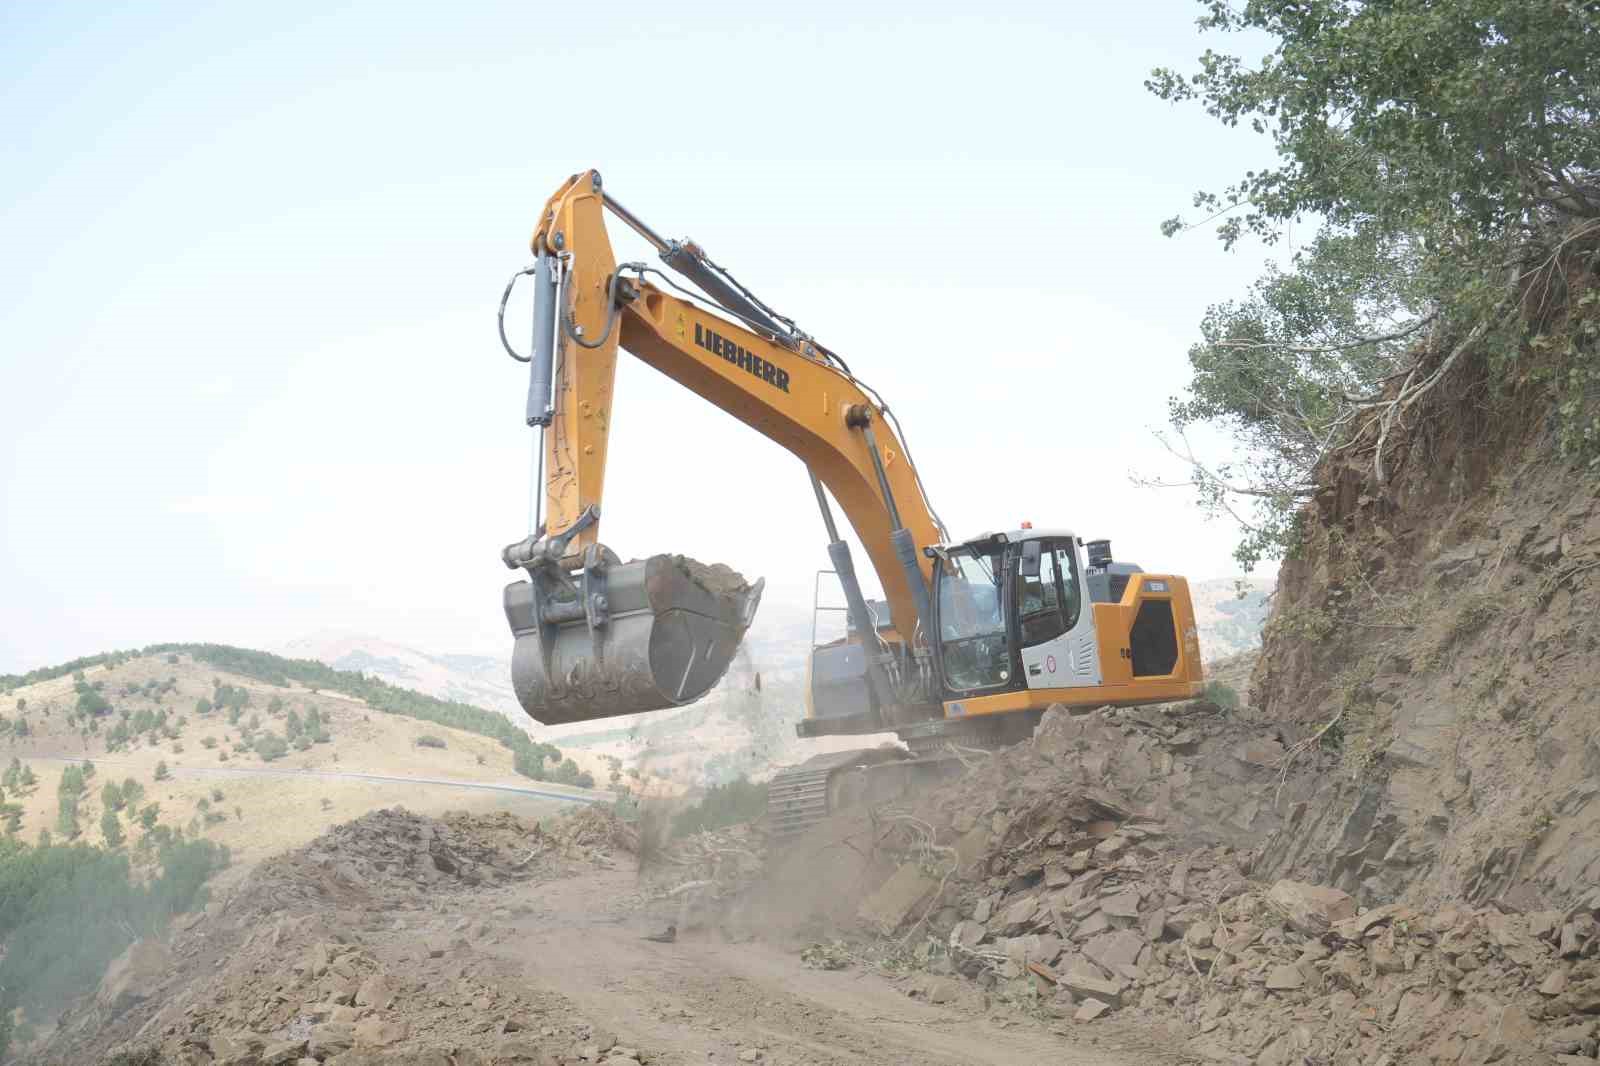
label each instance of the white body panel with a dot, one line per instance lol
(1072, 659)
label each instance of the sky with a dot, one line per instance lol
(250, 386)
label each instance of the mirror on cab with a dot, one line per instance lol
(1029, 566)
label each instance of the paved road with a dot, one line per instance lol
(575, 795)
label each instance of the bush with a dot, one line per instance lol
(270, 746)
(1221, 694)
(111, 829)
(208, 742)
(149, 816)
(428, 740)
(738, 801)
(162, 773)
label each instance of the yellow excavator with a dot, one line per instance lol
(973, 638)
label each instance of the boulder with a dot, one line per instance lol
(1090, 986)
(330, 1038)
(380, 1032)
(282, 1052)
(1311, 909)
(1092, 1008)
(377, 992)
(895, 899)
(1116, 952)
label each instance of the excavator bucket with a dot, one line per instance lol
(613, 638)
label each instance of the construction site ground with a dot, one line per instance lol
(405, 939)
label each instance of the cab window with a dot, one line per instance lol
(1039, 600)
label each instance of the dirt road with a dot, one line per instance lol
(560, 793)
(703, 999)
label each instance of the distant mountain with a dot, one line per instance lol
(481, 680)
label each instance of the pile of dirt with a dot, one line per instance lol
(367, 946)
(1109, 867)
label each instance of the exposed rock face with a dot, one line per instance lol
(1449, 626)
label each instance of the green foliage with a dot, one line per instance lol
(149, 815)
(90, 702)
(1437, 143)
(67, 910)
(111, 829)
(203, 706)
(111, 796)
(1221, 694)
(428, 740)
(162, 773)
(19, 780)
(67, 815)
(132, 794)
(740, 800)
(22, 704)
(270, 746)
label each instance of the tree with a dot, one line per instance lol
(162, 773)
(132, 794)
(22, 704)
(270, 746)
(111, 830)
(1448, 150)
(67, 815)
(202, 706)
(111, 796)
(149, 815)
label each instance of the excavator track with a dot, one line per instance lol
(797, 799)
(800, 797)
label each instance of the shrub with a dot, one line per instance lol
(216, 795)
(208, 743)
(162, 773)
(270, 746)
(1221, 694)
(428, 740)
(148, 816)
(111, 829)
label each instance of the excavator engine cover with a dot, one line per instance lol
(616, 638)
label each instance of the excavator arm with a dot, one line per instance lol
(575, 657)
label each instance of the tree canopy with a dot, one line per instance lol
(1447, 152)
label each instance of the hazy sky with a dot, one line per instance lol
(249, 382)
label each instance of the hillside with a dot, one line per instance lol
(223, 743)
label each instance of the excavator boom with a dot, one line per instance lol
(979, 634)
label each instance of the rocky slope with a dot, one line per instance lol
(1121, 866)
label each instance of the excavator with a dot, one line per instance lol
(972, 640)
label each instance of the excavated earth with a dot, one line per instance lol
(1110, 872)
(401, 940)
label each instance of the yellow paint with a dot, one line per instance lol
(807, 417)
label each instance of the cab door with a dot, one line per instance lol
(1055, 627)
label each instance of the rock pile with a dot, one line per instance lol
(350, 951)
(1075, 870)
